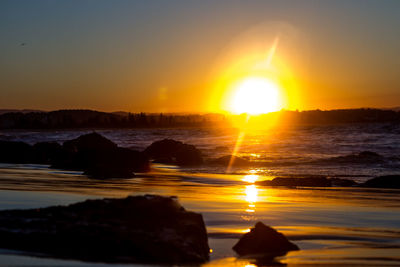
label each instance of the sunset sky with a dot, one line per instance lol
(182, 56)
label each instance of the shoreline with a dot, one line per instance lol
(226, 213)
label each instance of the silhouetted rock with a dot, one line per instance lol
(342, 182)
(264, 242)
(365, 157)
(89, 142)
(15, 152)
(174, 152)
(234, 160)
(99, 157)
(118, 163)
(47, 152)
(316, 181)
(146, 229)
(81, 153)
(388, 181)
(369, 154)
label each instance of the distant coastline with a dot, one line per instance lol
(72, 119)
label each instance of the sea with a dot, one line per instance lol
(331, 225)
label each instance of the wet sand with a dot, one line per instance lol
(330, 225)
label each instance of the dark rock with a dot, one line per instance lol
(81, 153)
(369, 154)
(74, 160)
(365, 157)
(15, 152)
(388, 181)
(264, 183)
(47, 152)
(117, 163)
(225, 160)
(92, 153)
(342, 182)
(89, 142)
(174, 152)
(146, 229)
(314, 181)
(263, 241)
(99, 157)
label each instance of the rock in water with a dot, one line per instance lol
(388, 181)
(263, 241)
(146, 229)
(174, 152)
(15, 152)
(47, 152)
(340, 182)
(117, 163)
(99, 157)
(315, 181)
(364, 157)
(92, 141)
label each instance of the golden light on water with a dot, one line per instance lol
(255, 95)
(250, 178)
(251, 193)
(251, 196)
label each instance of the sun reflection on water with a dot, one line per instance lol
(251, 178)
(251, 196)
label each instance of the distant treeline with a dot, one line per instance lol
(62, 119)
(364, 115)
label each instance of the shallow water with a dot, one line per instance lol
(331, 225)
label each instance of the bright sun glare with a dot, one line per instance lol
(255, 96)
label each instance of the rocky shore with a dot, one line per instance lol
(100, 158)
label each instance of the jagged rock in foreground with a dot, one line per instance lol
(263, 242)
(143, 229)
(174, 152)
(388, 181)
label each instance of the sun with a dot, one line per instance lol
(255, 96)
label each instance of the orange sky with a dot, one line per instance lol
(182, 56)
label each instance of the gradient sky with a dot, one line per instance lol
(167, 56)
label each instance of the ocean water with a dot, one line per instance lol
(279, 152)
(333, 225)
